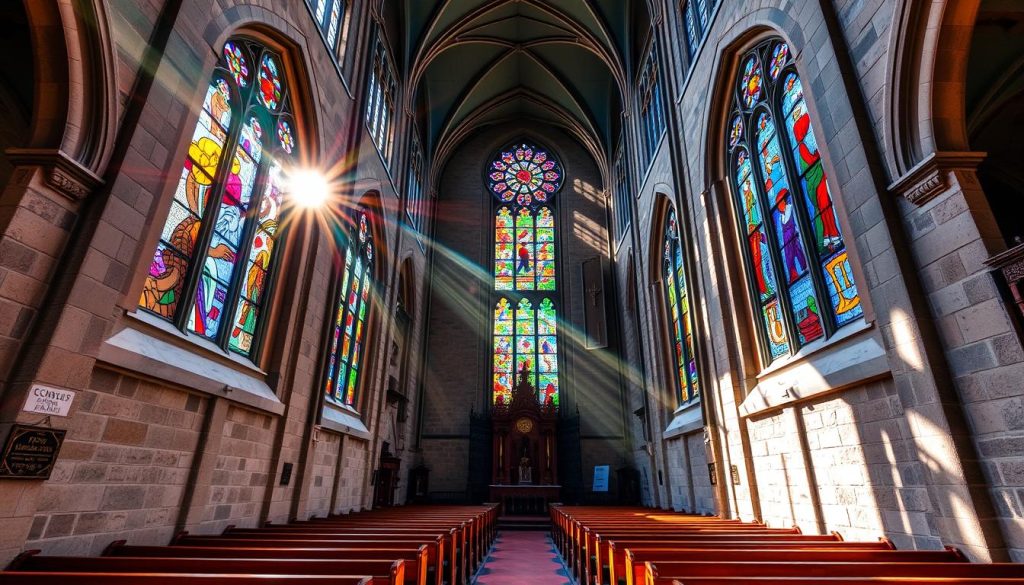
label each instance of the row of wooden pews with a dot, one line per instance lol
(415, 545)
(636, 546)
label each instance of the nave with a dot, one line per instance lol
(460, 545)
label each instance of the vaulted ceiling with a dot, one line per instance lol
(474, 63)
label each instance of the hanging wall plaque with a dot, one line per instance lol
(30, 452)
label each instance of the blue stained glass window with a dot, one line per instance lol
(798, 264)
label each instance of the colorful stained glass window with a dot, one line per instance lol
(221, 231)
(524, 249)
(524, 179)
(524, 229)
(524, 175)
(348, 333)
(800, 272)
(525, 338)
(681, 323)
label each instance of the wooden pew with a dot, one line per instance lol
(844, 581)
(50, 578)
(458, 541)
(589, 560)
(439, 558)
(636, 558)
(614, 551)
(390, 572)
(416, 559)
(665, 572)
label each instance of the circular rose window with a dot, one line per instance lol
(524, 174)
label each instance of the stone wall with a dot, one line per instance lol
(167, 432)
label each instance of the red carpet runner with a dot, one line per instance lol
(522, 558)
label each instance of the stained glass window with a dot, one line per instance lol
(696, 18)
(414, 187)
(328, 15)
(523, 179)
(681, 324)
(800, 272)
(221, 232)
(525, 337)
(382, 91)
(652, 110)
(348, 333)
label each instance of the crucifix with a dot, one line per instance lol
(593, 291)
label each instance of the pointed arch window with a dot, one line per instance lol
(796, 254)
(678, 297)
(523, 180)
(217, 251)
(349, 329)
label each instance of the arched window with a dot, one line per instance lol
(348, 334)
(213, 264)
(678, 297)
(796, 254)
(524, 180)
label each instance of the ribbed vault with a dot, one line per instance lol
(475, 63)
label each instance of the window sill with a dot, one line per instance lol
(178, 358)
(687, 419)
(852, 357)
(343, 420)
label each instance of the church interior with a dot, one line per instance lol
(497, 292)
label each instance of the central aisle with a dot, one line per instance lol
(522, 558)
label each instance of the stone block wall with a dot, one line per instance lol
(124, 468)
(924, 450)
(152, 447)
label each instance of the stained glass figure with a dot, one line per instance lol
(222, 226)
(525, 336)
(677, 295)
(799, 266)
(525, 175)
(344, 362)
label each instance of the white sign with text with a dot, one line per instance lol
(47, 400)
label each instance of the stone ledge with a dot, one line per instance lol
(137, 351)
(844, 363)
(687, 419)
(344, 421)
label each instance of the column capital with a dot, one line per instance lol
(66, 175)
(930, 177)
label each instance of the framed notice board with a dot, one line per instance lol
(30, 452)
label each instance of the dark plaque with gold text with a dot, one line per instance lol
(30, 452)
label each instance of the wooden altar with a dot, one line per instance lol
(525, 476)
